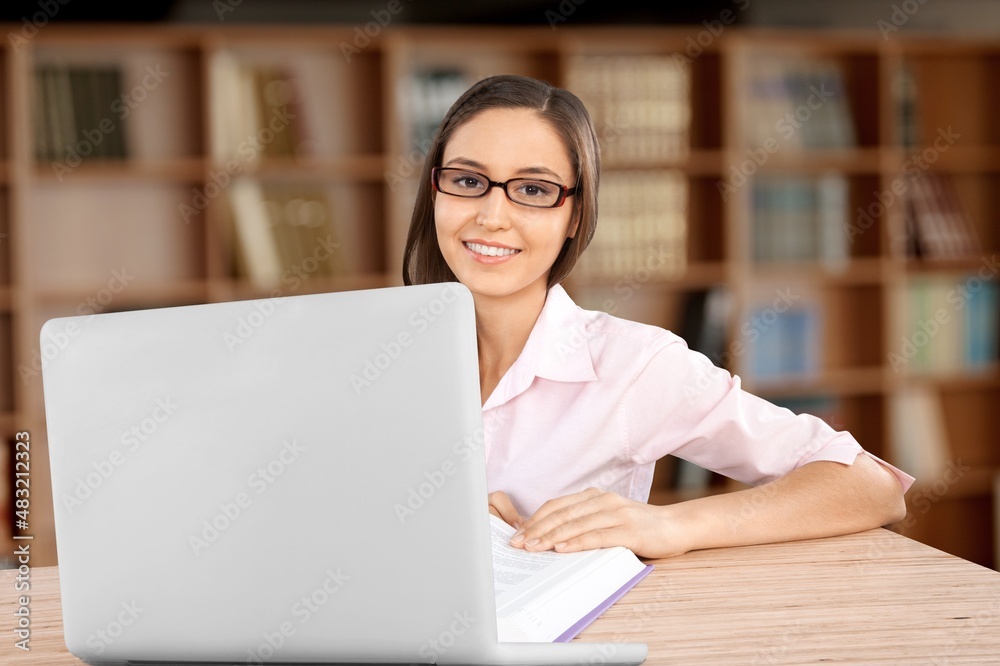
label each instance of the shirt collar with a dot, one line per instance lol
(557, 349)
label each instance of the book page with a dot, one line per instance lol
(514, 567)
(542, 595)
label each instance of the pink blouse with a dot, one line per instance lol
(594, 400)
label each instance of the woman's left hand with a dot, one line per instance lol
(597, 519)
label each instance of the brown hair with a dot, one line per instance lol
(423, 262)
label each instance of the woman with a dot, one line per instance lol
(578, 405)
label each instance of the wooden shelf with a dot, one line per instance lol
(847, 381)
(855, 271)
(135, 296)
(64, 235)
(699, 162)
(354, 168)
(178, 170)
(815, 161)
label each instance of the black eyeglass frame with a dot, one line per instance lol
(564, 191)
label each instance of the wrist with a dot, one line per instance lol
(694, 524)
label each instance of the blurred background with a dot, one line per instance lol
(804, 190)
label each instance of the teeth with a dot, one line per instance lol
(489, 251)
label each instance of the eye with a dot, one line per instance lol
(465, 180)
(534, 189)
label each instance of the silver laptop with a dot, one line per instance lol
(289, 480)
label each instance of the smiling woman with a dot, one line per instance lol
(578, 406)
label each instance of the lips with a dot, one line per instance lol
(490, 250)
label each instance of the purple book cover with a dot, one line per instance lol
(572, 632)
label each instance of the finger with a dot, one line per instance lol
(503, 508)
(592, 530)
(557, 504)
(601, 538)
(566, 522)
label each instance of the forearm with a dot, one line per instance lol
(816, 500)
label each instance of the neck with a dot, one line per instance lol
(502, 328)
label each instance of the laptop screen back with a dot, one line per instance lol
(272, 480)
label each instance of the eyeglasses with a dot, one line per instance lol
(525, 191)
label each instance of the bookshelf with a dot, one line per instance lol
(164, 221)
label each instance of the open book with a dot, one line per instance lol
(551, 597)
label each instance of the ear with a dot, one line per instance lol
(574, 225)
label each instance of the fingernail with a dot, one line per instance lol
(533, 542)
(518, 537)
(561, 544)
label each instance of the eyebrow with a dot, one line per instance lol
(535, 170)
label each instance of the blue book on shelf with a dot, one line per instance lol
(981, 326)
(788, 347)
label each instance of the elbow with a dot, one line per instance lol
(891, 501)
(895, 507)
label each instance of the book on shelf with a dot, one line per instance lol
(936, 220)
(430, 92)
(784, 345)
(906, 96)
(642, 229)
(919, 442)
(260, 110)
(801, 218)
(76, 117)
(551, 597)
(705, 324)
(950, 323)
(826, 407)
(285, 233)
(640, 105)
(801, 103)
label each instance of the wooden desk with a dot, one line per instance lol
(864, 598)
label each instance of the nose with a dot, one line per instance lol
(494, 210)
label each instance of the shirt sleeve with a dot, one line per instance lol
(680, 403)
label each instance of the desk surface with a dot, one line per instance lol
(873, 597)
